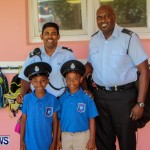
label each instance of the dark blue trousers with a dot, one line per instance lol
(114, 119)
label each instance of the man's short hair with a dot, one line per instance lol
(50, 24)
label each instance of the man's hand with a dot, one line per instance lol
(25, 88)
(88, 92)
(19, 99)
(136, 112)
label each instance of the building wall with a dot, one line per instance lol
(14, 46)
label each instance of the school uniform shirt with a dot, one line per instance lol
(59, 57)
(75, 111)
(111, 64)
(39, 112)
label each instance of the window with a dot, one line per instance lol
(77, 18)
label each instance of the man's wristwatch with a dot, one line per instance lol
(141, 104)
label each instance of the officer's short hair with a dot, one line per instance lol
(50, 24)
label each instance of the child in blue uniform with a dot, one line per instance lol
(39, 112)
(77, 111)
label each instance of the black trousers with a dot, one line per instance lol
(114, 119)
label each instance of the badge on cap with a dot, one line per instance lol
(36, 69)
(72, 66)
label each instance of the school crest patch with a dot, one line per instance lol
(81, 107)
(49, 111)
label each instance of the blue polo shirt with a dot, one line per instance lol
(112, 65)
(39, 112)
(75, 111)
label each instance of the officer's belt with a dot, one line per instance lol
(117, 88)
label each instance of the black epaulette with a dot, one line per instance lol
(66, 48)
(127, 31)
(36, 52)
(94, 34)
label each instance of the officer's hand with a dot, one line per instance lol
(19, 99)
(88, 92)
(136, 112)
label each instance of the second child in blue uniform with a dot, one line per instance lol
(77, 111)
(39, 112)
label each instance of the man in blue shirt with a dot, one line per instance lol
(52, 54)
(115, 56)
(77, 111)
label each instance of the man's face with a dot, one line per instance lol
(106, 21)
(50, 37)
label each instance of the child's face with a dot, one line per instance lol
(73, 80)
(39, 82)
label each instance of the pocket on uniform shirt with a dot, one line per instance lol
(119, 52)
(93, 54)
(120, 57)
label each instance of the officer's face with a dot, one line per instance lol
(106, 21)
(50, 38)
(39, 83)
(73, 80)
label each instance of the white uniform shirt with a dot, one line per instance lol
(112, 65)
(59, 57)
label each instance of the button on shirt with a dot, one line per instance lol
(75, 111)
(59, 57)
(39, 111)
(112, 65)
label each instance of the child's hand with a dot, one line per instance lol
(91, 145)
(22, 146)
(59, 145)
(53, 146)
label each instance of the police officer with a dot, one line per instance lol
(114, 71)
(52, 54)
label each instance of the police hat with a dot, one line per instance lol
(72, 65)
(38, 68)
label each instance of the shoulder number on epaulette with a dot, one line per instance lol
(66, 48)
(127, 31)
